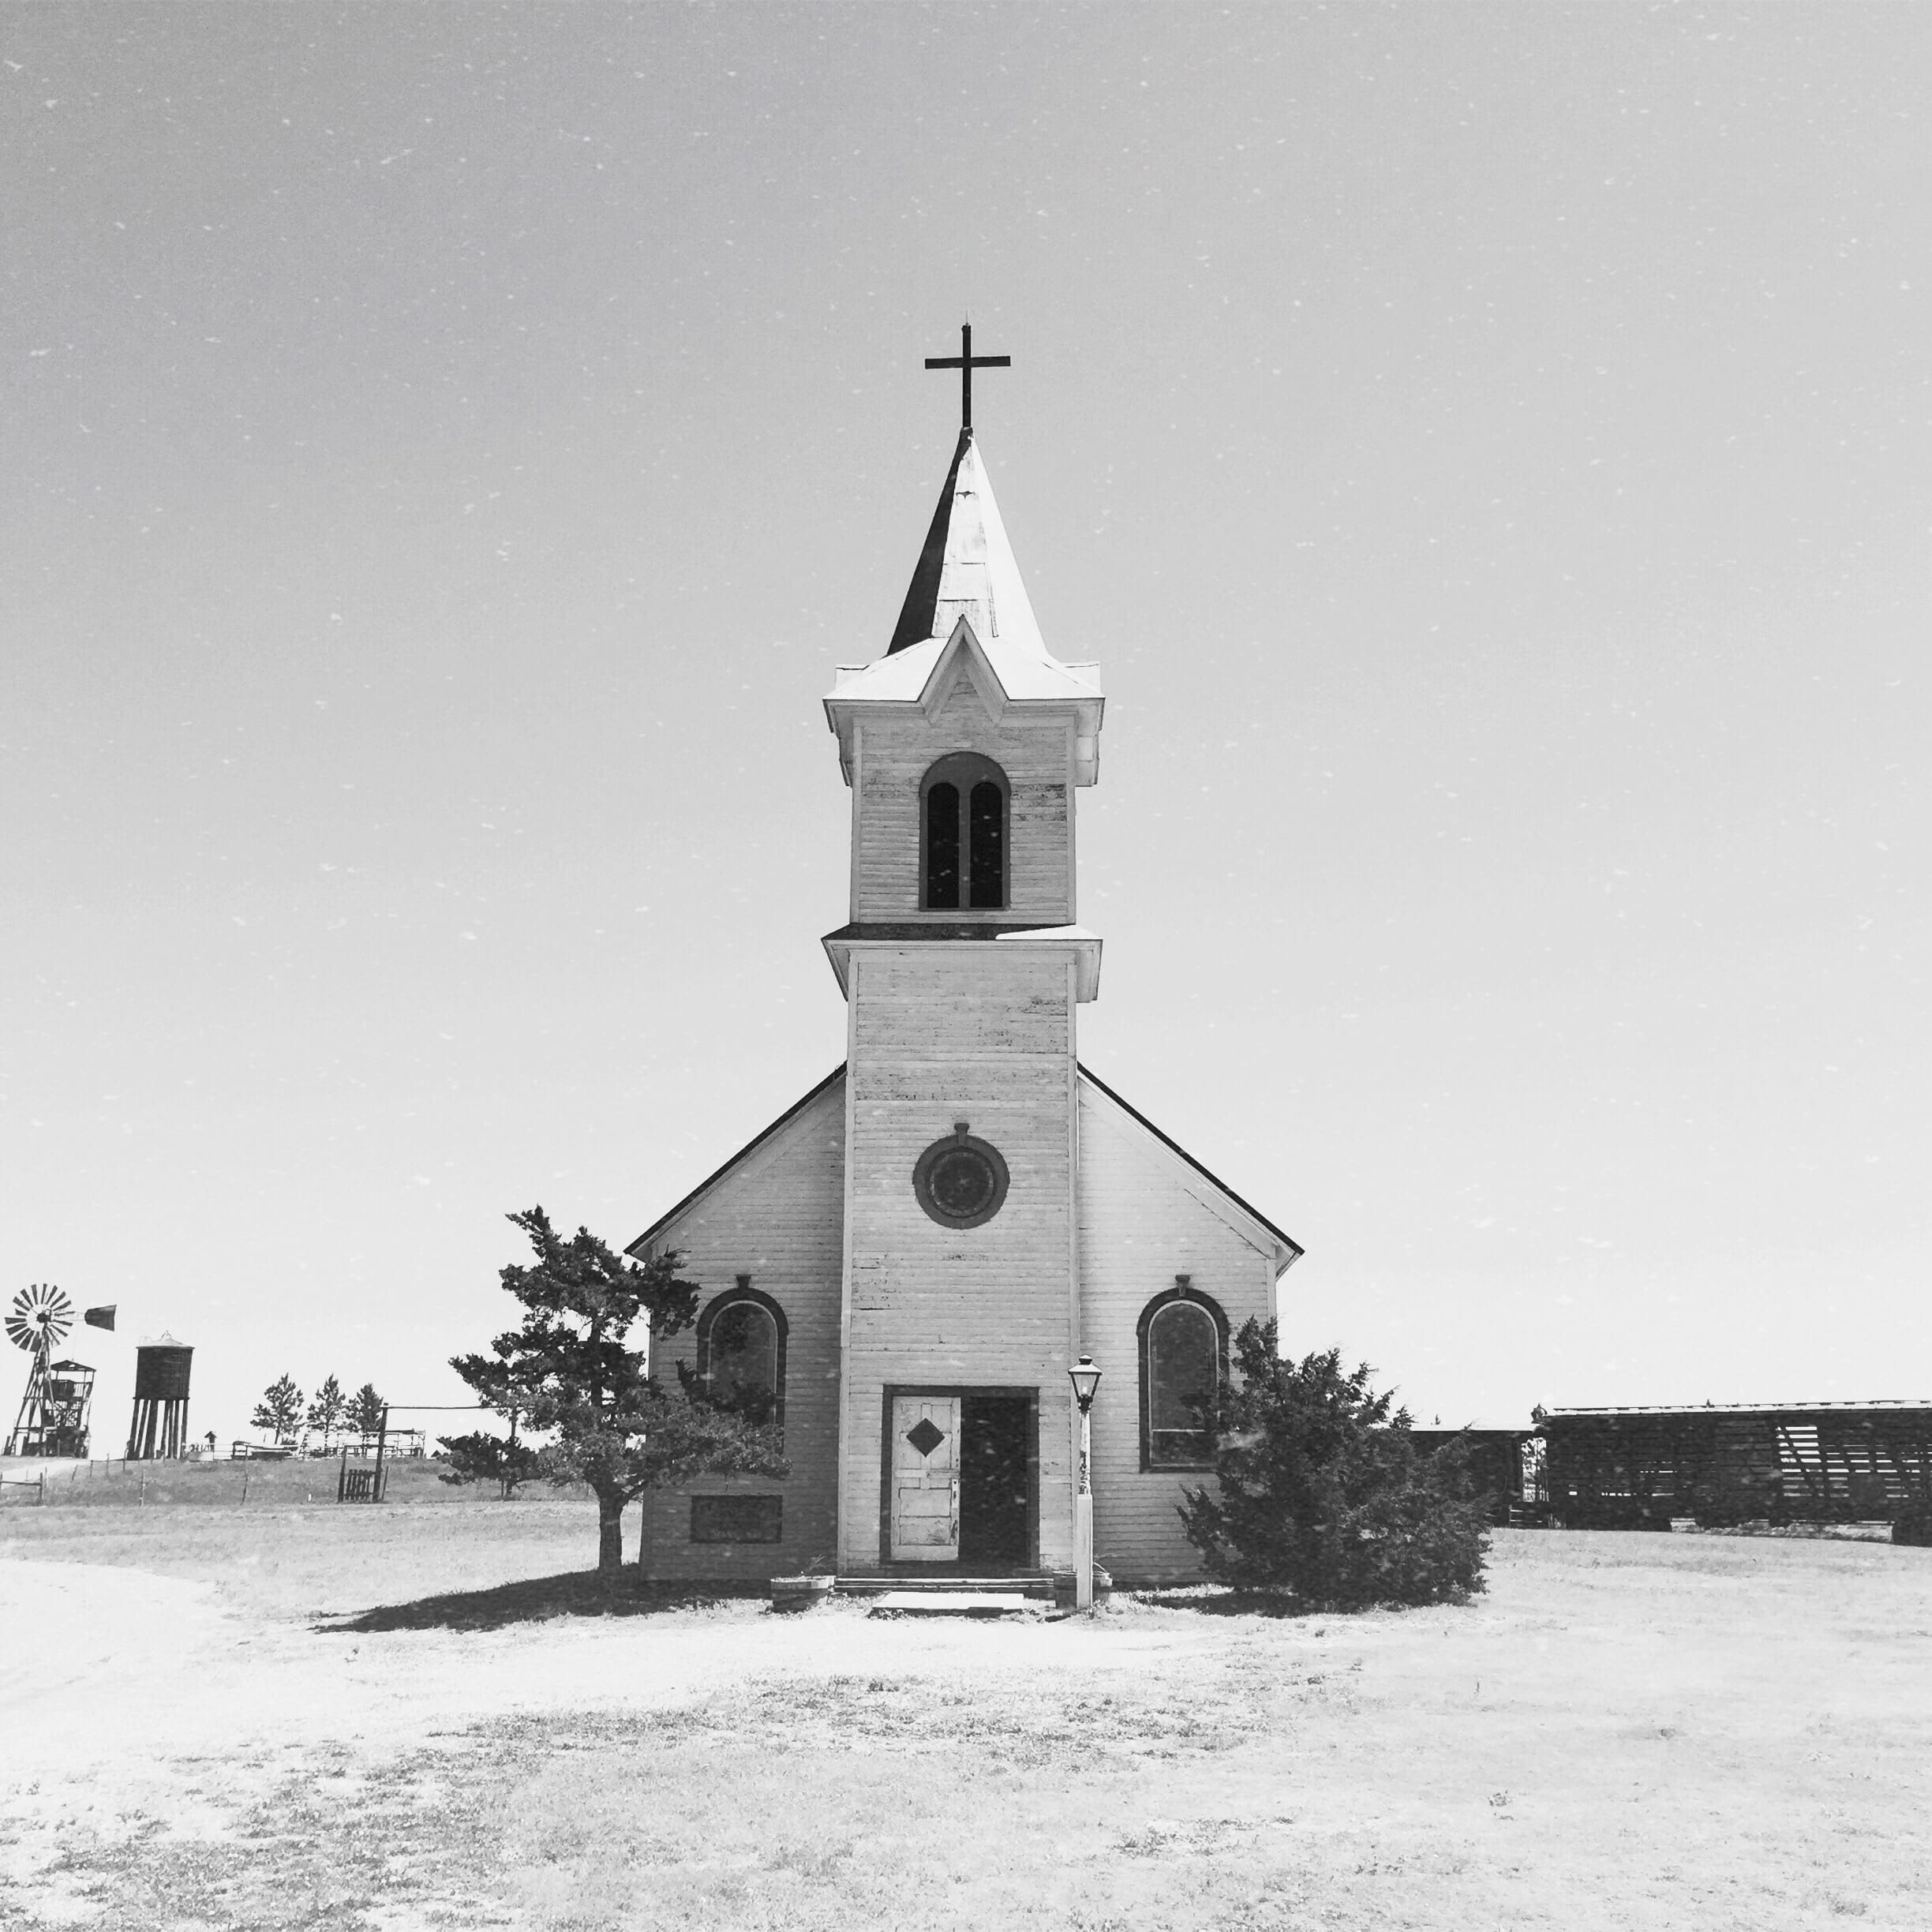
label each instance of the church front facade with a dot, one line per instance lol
(902, 1268)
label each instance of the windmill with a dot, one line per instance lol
(53, 1418)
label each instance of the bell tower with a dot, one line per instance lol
(963, 969)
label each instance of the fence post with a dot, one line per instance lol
(382, 1448)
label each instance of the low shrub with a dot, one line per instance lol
(1321, 1490)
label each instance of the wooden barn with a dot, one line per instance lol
(909, 1259)
(1505, 1466)
(1818, 1462)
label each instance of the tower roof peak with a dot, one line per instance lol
(966, 567)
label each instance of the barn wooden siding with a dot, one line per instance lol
(893, 754)
(1146, 1216)
(1638, 1468)
(940, 1034)
(777, 1217)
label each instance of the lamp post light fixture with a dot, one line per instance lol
(1086, 1378)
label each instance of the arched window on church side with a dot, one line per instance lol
(963, 802)
(741, 1352)
(1183, 1352)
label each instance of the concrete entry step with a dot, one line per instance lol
(968, 1603)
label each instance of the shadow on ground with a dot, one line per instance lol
(535, 1599)
(584, 1593)
(1215, 1599)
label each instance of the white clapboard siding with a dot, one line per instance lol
(1145, 1216)
(777, 1216)
(895, 753)
(982, 1033)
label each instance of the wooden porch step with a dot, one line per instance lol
(1035, 1583)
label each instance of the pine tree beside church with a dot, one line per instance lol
(568, 1370)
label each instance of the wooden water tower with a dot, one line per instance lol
(160, 1427)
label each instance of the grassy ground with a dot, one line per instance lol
(387, 1719)
(218, 1483)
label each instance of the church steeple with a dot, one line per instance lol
(964, 744)
(967, 568)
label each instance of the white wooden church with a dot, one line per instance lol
(908, 1260)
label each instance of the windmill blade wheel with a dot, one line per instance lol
(40, 1318)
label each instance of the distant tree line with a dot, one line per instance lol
(285, 1413)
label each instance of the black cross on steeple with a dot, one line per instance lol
(966, 362)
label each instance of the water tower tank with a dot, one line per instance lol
(161, 1370)
(160, 1399)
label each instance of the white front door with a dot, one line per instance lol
(925, 1478)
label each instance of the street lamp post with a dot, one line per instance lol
(1085, 1378)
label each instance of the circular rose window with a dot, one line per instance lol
(961, 1181)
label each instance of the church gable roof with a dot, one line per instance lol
(1287, 1249)
(763, 1138)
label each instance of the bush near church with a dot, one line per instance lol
(1321, 1494)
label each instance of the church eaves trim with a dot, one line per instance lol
(637, 1248)
(905, 929)
(1295, 1251)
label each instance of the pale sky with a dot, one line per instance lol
(447, 450)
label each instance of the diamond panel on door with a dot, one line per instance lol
(925, 1479)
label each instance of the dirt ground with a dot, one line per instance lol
(423, 1715)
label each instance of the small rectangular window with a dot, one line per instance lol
(737, 1519)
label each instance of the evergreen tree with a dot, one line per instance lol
(1321, 1490)
(326, 1412)
(566, 1371)
(365, 1410)
(280, 1410)
(480, 1457)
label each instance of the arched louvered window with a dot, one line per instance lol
(942, 844)
(1183, 1354)
(985, 871)
(963, 802)
(741, 1352)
